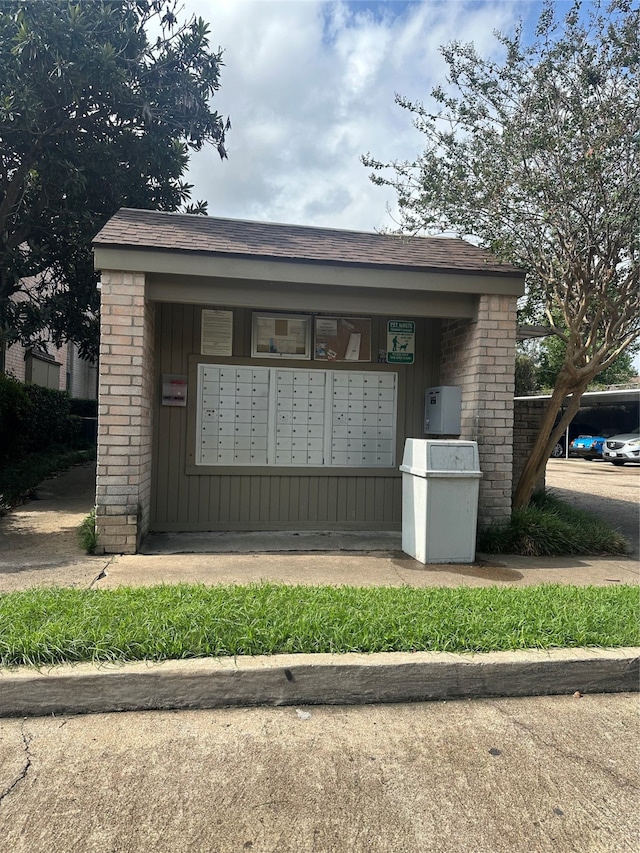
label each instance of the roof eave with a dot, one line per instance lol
(507, 271)
(185, 265)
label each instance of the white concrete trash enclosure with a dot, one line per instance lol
(440, 486)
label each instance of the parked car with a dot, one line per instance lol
(575, 430)
(622, 448)
(589, 446)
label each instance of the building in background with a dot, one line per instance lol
(44, 364)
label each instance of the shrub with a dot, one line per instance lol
(14, 412)
(84, 408)
(19, 477)
(34, 419)
(548, 527)
(48, 422)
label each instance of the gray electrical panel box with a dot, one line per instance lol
(442, 410)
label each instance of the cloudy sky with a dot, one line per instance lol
(309, 87)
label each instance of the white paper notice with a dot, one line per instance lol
(326, 327)
(217, 333)
(353, 347)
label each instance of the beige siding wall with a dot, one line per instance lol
(479, 356)
(143, 479)
(182, 501)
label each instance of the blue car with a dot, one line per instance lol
(589, 446)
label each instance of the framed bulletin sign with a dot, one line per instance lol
(281, 336)
(342, 339)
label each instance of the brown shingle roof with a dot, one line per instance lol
(181, 232)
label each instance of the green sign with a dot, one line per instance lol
(401, 337)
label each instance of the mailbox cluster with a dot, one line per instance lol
(363, 430)
(279, 416)
(300, 417)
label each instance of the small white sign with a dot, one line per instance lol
(326, 327)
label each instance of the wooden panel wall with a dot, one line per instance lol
(243, 501)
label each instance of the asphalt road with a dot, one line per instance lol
(612, 493)
(554, 774)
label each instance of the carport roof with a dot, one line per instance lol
(615, 396)
(145, 229)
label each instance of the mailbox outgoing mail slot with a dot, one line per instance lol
(440, 484)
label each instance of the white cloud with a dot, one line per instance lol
(309, 88)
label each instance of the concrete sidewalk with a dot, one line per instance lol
(39, 547)
(366, 568)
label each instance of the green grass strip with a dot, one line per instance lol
(49, 626)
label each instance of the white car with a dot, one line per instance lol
(622, 448)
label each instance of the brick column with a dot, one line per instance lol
(125, 396)
(479, 356)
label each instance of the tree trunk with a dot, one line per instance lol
(547, 437)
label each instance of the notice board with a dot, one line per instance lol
(281, 336)
(342, 339)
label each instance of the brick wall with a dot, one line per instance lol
(14, 361)
(479, 356)
(527, 415)
(124, 414)
(147, 418)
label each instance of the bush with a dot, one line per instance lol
(49, 420)
(547, 527)
(87, 533)
(33, 419)
(19, 477)
(14, 412)
(84, 408)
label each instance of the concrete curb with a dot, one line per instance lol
(314, 680)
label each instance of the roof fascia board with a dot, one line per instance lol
(623, 395)
(196, 264)
(284, 296)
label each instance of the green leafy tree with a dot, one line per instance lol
(537, 156)
(552, 356)
(525, 380)
(95, 114)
